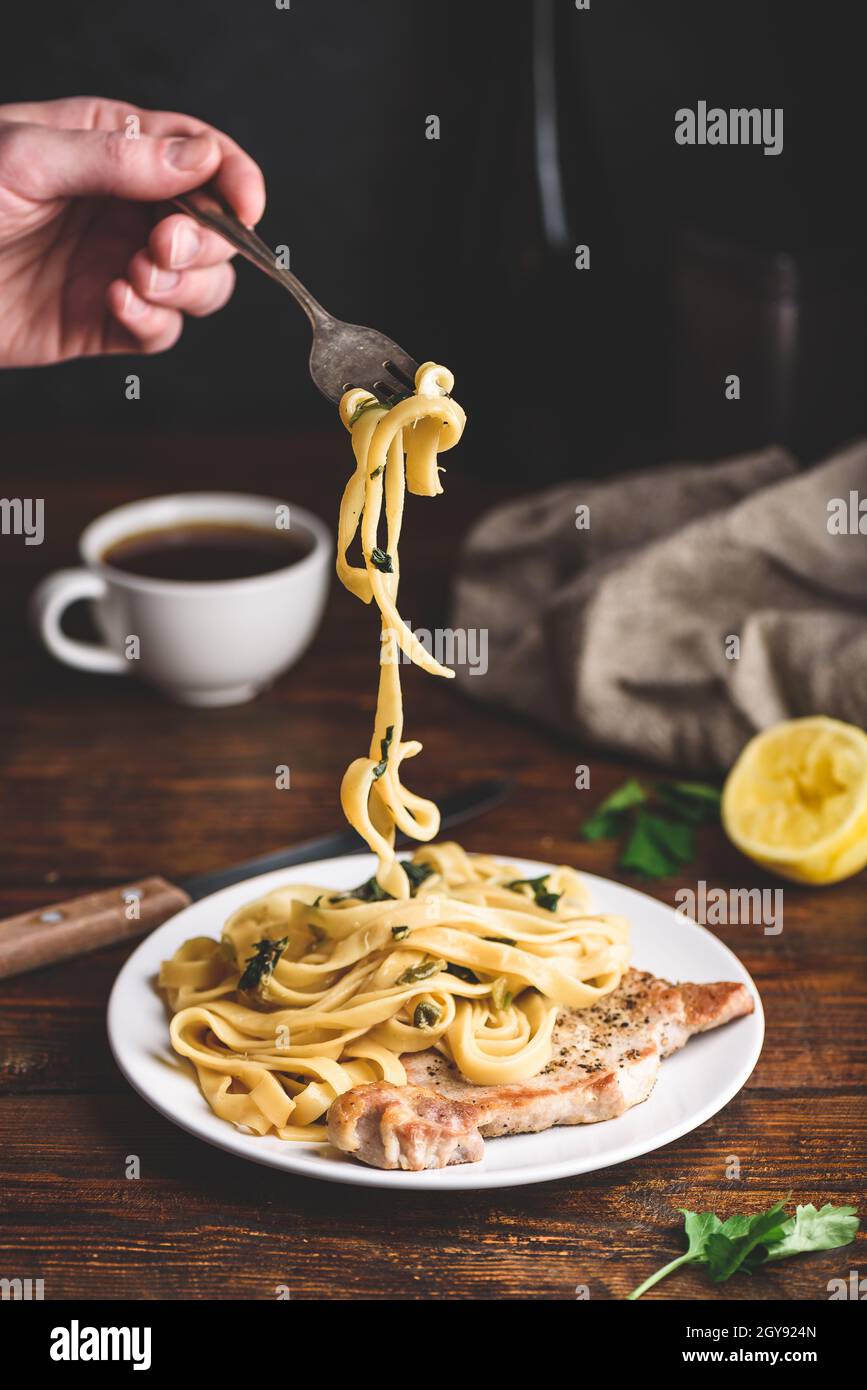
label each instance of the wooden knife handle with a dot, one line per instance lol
(84, 924)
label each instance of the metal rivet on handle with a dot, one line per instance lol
(51, 917)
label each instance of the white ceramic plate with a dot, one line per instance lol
(693, 1084)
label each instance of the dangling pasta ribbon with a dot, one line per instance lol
(395, 448)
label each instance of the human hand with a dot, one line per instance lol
(89, 263)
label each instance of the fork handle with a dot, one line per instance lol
(210, 210)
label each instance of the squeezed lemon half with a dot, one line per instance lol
(796, 800)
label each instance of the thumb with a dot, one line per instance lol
(42, 163)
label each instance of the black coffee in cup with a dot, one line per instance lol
(207, 551)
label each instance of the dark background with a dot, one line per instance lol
(704, 261)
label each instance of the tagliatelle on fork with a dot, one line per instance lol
(395, 449)
(311, 992)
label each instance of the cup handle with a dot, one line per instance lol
(47, 606)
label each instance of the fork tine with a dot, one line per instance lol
(399, 373)
(387, 386)
(385, 392)
(347, 354)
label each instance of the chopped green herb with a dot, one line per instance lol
(746, 1242)
(400, 933)
(422, 971)
(368, 892)
(376, 472)
(384, 745)
(417, 875)
(462, 972)
(501, 940)
(260, 967)
(541, 896)
(500, 996)
(381, 560)
(426, 1015)
(370, 404)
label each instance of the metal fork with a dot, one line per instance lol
(343, 354)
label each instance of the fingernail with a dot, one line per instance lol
(132, 305)
(162, 279)
(189, 153)
(185, 244)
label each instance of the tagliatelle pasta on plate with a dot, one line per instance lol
(311, 992)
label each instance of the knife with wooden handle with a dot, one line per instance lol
(66, 929)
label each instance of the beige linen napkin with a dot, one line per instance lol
(621, 632)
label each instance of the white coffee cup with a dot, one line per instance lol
(201, 643)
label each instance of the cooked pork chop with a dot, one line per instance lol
(605, 1060)
(405, 1127)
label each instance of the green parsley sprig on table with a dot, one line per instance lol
(659, 824)
(746, 1242)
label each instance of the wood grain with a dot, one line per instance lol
(102, 781)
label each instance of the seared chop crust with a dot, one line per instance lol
(605, 1060)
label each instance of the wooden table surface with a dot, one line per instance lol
(104, 781)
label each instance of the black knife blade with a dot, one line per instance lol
(456, 808)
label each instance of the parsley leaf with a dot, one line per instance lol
(699, 791)
(728, 1248)
(746, 1242)
(698, 1227)
(657, 846)
(659, 824)
(810, 1229)
(630, 794)
(691, 801)
(602, 825)
(608, 818)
